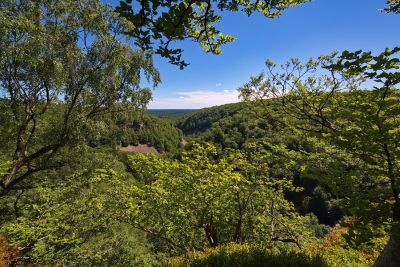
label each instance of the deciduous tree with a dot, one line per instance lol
(364, 124)
(62, 64)
(207, 199)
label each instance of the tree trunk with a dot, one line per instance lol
(211, 234)
(8, 179)
(237, 237)
(238, 232)
(390, 256)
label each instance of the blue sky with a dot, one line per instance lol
(308, 30)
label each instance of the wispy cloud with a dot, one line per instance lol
(218, 84)
(195, 99)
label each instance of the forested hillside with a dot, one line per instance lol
(304, 171)
(147, 129)
(201, 120)
(172, 114)
(240, 126)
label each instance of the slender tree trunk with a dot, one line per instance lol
(238, 232)
(237, 237)
(13, 177)
(8, 179)
(211, 234)
(390, 256)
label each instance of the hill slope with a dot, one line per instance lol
(237, 126)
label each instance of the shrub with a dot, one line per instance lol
(9, 255)
(337, 253)
(236, 255)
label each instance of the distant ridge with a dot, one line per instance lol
(170, 113)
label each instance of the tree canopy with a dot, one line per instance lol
(63, 63)
(393, 6)
(304, 172)
(159, 23)
(336, 109)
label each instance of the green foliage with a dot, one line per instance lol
(206, 199)
(393, 6)
(382, 69)
(246, 255)
(336, 252)
(172, 114)
(76, 216)
(354, 131)
(229, 126)
(4, 165)
(64, 63)
(150, 130)
(239, 126)
(70, 84)
(201, 120)
(159, 22)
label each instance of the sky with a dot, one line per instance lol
(305, 31)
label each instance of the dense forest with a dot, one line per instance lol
(304, 171)
(172, 114)
(161, 134)
(238, 126)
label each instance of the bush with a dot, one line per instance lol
(235, 255)
(337, 253)
(9, 255)
(124, 141)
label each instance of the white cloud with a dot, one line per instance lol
(195, 99)
(218, 84)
